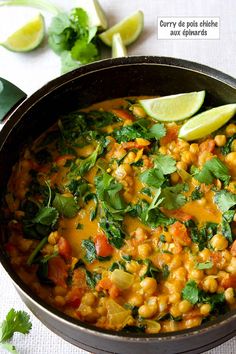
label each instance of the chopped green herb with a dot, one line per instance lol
(196, 193)
(205, 265)
(66, 206)
(213, 168)
(173, 197)
(225, 200)
(165, 163)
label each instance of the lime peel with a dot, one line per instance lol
(27, 37)
(173, 107)
(129, 28)
(207, 122)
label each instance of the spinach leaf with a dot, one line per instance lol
(83, 166)
(92, 278)
(90, 250)
(113, 230)
(66, 206)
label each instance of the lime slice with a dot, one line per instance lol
(97, 17)
(118, 48)
(207, 122)
(129, 29)
(27, 37)
(174, 107)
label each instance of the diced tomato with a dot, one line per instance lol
(57, 271)
(61, 160)
(179, 233)
(73, 297)
(229, 282)
(64, 248)
(207, 145)
(171, 134)
(122, 114)
(178, 214)
(107, 284)
(79, 278)
(103, 247)
(233, 249)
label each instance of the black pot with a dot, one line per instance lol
(93, 83)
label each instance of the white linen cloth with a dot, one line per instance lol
(30, 71)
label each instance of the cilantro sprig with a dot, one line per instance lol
(15, 321)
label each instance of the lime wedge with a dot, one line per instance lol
(129, 29)
(174, 107)
(97, 17)
(118, 48)
(27, 37)
(207, 122)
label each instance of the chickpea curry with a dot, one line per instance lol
(117, 222)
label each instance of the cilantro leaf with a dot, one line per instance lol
(226, 230)
(213, 168)
(90, 250)
(66, 206)
(157, 131)
(225, 200)
(153, 177)
(46, 216)
(204, 265)
(67, 62)
(113, 230)
(226, 149)
(191, 292)
(84, 52)
(173, 197)
(165, 163)
(15, 321)
(92, 278)
(196, 194)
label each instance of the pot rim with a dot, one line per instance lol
(48, 88)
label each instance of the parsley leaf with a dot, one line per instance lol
(213, 168)
(225, 200)
(173, 197)
(15, 321)
(165, 163)
(153, 177)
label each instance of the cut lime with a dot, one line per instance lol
(207, 122)
(97, 17)
(27, 37)
(174, 107)
(118, 48)
(129, 29)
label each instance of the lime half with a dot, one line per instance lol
(207, 122)
(97, 17)
(118, 48)
(174, 107)
(129, 29)
(27, 37)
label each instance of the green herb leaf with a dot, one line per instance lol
(67, 62)
(66, 206)
(92, 278)
(173, 197)
(46, 216)
(225, 200)
(204, 265)
(213, 168)
(113, 230)
(196, 194)
(90, 250)
(153, 177)
(165, 163)
(191, 292)
(15, 321)
(226, 149)
(157, 131)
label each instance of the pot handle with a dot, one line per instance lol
(10, 97)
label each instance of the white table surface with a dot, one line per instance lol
(30, 71)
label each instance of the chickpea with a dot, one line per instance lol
(185, 306)
(175, 311)
(147, 311)
(59, 290)
(181, 165)
(193, 322)
(140, 234)
(174, 298)
(231, 159)
(149, 285)
(232, 187)
(59, 300)
(205, 309)
(219, 242)
(203, 157)
(220, 140)
(230, 129)
(162, 303)
(187, 157)
(53, 238)
(130, 157)
(196, 274)
(174, 177)
(132, 267)
(138, 111)
(153, 328)
(210, 284)
(205, 255)
(194, 148)
(180, 274)
(232, 265)
(229, 296)
(136, 300)
(89, 299)
(163, 150)
(144, 250)
(176, 262)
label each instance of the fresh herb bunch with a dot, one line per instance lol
(15, 321)
(70, 36)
